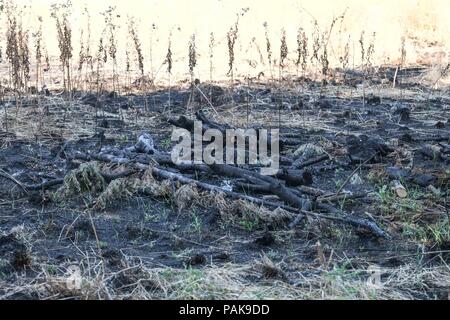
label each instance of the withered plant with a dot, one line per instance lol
(86, 57)
(324, 58)
(366, 59)
(211, 46)
(315, 47)
(128, 65)
(326, 36)
(24, 55)
(344, 58)
(153, 30)
(268, 47)
(363, 55)
(61, 12)
(137, 45)
(402, 51)
(38, 52)
(169, 62)
(362, 48)
(192, 55)
(17, 54)
(283, 53)
(132, 30)
(47, 66)
(81, 56)
(232, 35)
(302, 50)
(402, 60)
(13, 51)
(252, 64)
(370, 52)
(101, 58)
(111, 26)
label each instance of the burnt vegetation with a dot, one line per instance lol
(85, 164)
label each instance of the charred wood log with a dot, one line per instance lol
(290, 197)
(188, 124)
(295, 178)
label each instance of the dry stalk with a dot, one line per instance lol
(268, 47)
(88, 59)
(169, 63)
(370, 52)
(137, 45)
(152, 31)
(12, 50)
(132, 30)
(110, 16)
(81, 56)
(232, 35)
(192, 64)
(363, 55)
(61, 12)
(283, 53)
(324, 58)
(24, 55)
(38, 52)
(211, 62)
(128, 65)
(101, 58)
(344, 59)
(17, 54)
(402, 61)
(302, 50)
(326, 36)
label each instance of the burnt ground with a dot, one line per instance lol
(153, 246)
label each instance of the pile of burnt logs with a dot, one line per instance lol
(289, 188)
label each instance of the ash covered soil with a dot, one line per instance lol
(110, 228)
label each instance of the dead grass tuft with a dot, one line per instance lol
(185, 196)
(86, 178)
(118, 189)
(308, 150)
(248, 215)
(153, 187)
(269, 269)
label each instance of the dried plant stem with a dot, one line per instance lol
(152, 75)
(192, 64)
(400, 65)
(283, 54)
(60, 13)
(38, 49)
(140, 59)
(316, 47)
(211, 63)
(363, 68)
(268, 48)
(88, 58)
(169, 66)
(232, 35)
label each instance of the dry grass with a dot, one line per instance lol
(261, 279)
(85, 179)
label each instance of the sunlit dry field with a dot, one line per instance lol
(93, 207)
